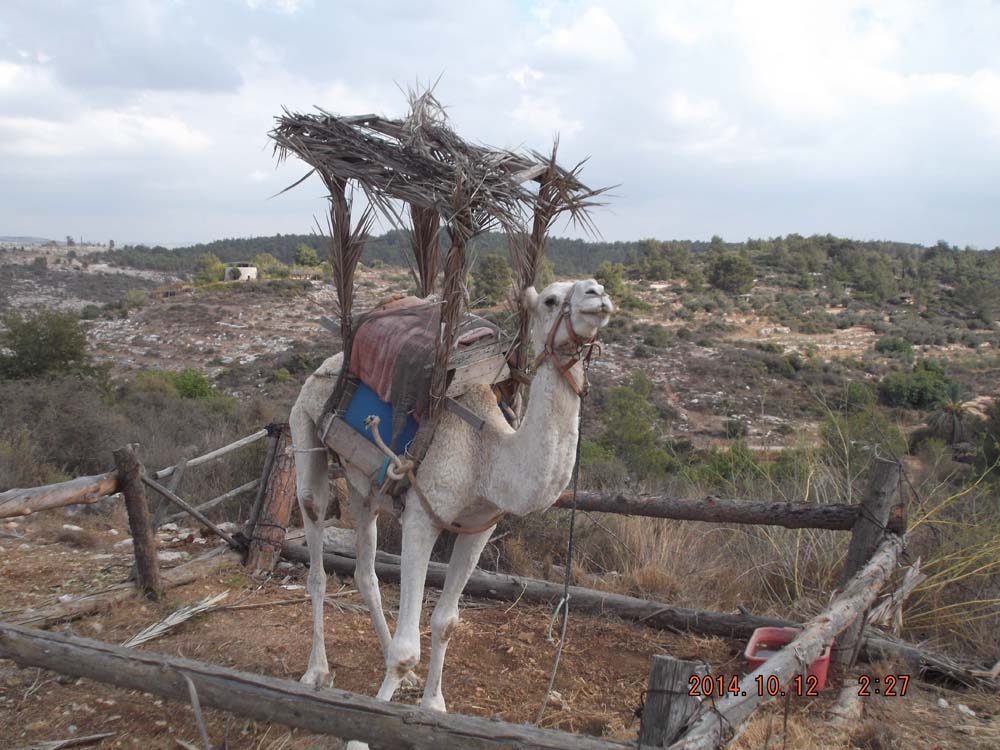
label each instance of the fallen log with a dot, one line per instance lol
(722, 719)
(718, 510)
(82, 490)
(654, 614)
(88, 604)
(510, 588)
(392, 726)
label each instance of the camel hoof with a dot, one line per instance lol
(436, 704)
(410, 680)
(316, 678)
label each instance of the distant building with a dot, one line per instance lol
(240, 272)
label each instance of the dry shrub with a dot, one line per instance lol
(82, 539)
(876, 735)
(22, 462)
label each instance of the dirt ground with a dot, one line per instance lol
(498, 664)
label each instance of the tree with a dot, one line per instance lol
(70, 242)
(209, 269)
(50, 341)
(630, 428)
(546, 274)
(732, 273)
(951, 421)
(306, 256)
(270, 267)
(491, 279)
(612, 277)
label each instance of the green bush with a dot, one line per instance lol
(858, 395)
(491, 279)
(921, 388)
(732, 273)
(188, 383)
(135, 298)
(612, 277)
(306, 256)
(209, 269)
(736, 428)
(893, 345)
(657, 337)
(630, 429)
(600, 467)
(49, 341)
(854, 440)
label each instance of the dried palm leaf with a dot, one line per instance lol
(174, 619)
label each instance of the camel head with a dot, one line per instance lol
(589, 310)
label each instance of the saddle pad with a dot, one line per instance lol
(366, 403)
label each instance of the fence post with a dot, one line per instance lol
(877, 507)
(143, 540)
(276, 509)
(668, 706)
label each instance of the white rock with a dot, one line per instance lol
(292, 587)
(169, 527)
(113, 532)
(201, 540)
(228, 526)
(124, 543)
(963, 709)
(942, 703)
(171, 555)
(65, 598)
(71, 527)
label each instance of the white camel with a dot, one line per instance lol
(467, 476)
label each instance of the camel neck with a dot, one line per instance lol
(534, 464)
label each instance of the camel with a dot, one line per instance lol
(467, 476)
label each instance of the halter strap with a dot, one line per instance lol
(579, 344)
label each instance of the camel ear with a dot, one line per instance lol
(529, 298)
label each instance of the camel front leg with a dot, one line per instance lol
(464, 557)
(419, 535)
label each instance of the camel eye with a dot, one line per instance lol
(551, 301)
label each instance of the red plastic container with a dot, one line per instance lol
(765, 642)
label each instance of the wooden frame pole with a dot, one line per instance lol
(143, 540)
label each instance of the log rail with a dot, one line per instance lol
(392, 726)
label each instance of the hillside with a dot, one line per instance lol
(768, 370)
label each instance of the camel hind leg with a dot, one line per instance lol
(312, 488)
(366, 535)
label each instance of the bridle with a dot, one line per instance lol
(577, 344)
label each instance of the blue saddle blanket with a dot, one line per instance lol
(366, 403)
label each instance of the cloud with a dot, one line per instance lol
(545, 117)
(591, 37)
(523, 76)
(853, 117)
(105, 132)
(288, 7)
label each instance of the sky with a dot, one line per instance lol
(145, 121)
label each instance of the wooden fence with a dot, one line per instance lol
(876, 524)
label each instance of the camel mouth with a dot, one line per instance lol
(600, 312)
